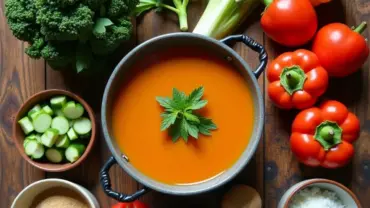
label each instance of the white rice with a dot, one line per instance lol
(315, 197)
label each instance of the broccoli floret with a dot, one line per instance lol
(34, 50)
(71, 23)
(58, 55)
(117, 8)
(21, 19)
(107, 42)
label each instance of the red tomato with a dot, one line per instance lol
(135, 204)
(289, 22)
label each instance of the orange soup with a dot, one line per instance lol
(136, 117)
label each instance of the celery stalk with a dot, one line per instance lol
(222, 17)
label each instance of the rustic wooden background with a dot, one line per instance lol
(273, 169)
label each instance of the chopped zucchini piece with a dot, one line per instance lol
(34, 109)
(49, 137)
(26, 125)
(72, 134)
(72, 110)
(82, 126)
(54, 155)
(48, 110)
(42, 122)
(74, 152)
(34, 149)
(61, 124)
(58, 102)
(62, 141)
(58, 112)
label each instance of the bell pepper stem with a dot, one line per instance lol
(327, 133)
(292, 78)
(359, 29)
(267, 2)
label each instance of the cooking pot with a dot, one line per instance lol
(160, 43)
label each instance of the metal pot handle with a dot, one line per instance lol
(107, 187)
(254, 46)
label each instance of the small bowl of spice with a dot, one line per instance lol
(318, 193)
(55, 193)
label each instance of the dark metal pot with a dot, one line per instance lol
(219, 48)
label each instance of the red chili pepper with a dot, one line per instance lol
(341, 51)
(296, 80)
(135, 204)
(289, 22)
(323, 136)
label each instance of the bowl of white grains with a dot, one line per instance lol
(317, 193)
(55, 193)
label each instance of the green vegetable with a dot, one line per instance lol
(74, 152)
(179, 7)
(54, 155)
(62, 141)
(55, 29)
(222, 17)
(26, 125)
(180, 117)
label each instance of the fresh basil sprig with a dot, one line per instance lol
(179, 115)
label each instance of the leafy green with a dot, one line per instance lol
(100, 25)
(179, 116)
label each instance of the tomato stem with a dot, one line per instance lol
(361, 27)
(267, 2)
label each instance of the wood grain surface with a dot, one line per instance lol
(272, 170)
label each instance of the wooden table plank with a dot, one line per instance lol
(21, 77)
(281, 168)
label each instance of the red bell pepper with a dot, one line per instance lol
(289, 22)
(135, 204)
(296, 79)
(341, 51)
(323, 136)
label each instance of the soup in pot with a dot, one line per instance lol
(137, 121)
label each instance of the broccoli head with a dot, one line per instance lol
(107, 42)
(54, 28)
(21, 15)
(71, 23)
(117, 8)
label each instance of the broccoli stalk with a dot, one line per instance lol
(180, 8)
(222, 17)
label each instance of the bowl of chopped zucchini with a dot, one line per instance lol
(54, 130)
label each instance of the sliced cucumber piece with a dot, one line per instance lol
(72, 135)
(25, 141)
(48, 110)
(26, 125)
(82, 126)
(61, 124)
(49, 137)
(34, 109)
(29, 138)
(58, 102)
(54, 155)
(72, 110)
(42, 122)
(58, 112)
(34, 149)
(62, 141)
(74, 152)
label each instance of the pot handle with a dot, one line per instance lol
(254, 46)
(107, 187)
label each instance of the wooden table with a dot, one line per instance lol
(273, 169)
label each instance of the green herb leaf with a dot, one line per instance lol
(100, 25)
(179, 117)
(168, 120)
(198, 105)
(196, 95)
(191, 117)
(164, 102)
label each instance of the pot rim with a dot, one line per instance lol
(237, 167)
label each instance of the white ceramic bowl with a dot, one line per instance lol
(347, 196)
(26, 196)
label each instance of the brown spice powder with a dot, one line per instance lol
(59, 197)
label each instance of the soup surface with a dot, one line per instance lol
(136, 116)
